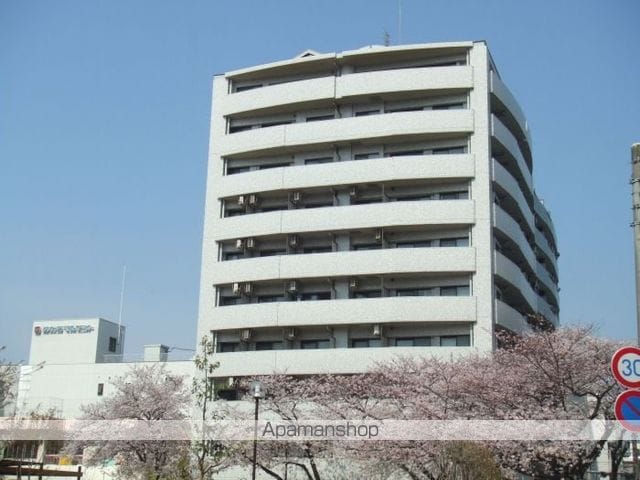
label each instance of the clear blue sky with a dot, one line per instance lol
(104, 117)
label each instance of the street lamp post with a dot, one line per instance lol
(257, 391)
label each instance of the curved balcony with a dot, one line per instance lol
(508, 141)
(324, 90)
(340, 264)
(502, 92)
(405, 80)
(508, 226)
(543, 213)
(543, 245)
(280, 96)
(348, 173)
(334, 360)
(510, 318)
(425, 212)
(347, 311)
(381, 127)
(502, 177)
(510, 273)
(545, 309)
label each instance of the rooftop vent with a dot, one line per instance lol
(307, 53)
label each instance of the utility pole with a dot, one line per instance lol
(635, 192)
(635, 206)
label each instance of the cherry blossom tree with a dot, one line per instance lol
(547, 375)
(8, 378)
(147, 393)
(207, 456)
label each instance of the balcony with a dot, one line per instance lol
(351, 217)
(510, 318)
(340, 264)
(348, 173)
(387, 127)
(336, 360)
(344, 312)
(509, 142)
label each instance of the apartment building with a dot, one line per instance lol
(368, 204)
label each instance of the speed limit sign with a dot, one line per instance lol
(625, 365)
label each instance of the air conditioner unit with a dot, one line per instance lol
(377, 330)
(248, 289)
(290, 333)
(353, 191)
(239, 244)
(293, 241)
(292, 286)
(242, 200)
(296, 197)
(251, 243)
(379, 235)
(353, 283)
(245, 334)
(253, 200)
(236, 288)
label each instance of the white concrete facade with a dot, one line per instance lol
(73, 361)
(380, 198)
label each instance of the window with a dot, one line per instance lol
(268, 345)
(100, 389)
(414, 108)
(271, 298)
(318, 249)
(225, 347)
(113, 344)
(454, 242)
(276, 123)
(365, 156)
(404, 153)
(318, 203)
(315, 161)
(317, 118)
(448, 106)
(314, 344)
(455, 341)
(273, 165)
(414, 244)
(364, 113)
(239, 128)
(448, 150)
(234, 170)
(273, 252)
(456, 291)
(409, 198)
(314, 296)
(242, 88)
(366, 343)
(232, 255)
(366, 294)
(367, 246)
(230, 301)
(413, 342)
(461, 195)
(414, 292)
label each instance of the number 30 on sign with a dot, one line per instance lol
(625, 366)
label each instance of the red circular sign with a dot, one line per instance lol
(625, 366)
(627, 410)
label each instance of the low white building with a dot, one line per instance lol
(73, 361)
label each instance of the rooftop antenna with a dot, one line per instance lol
(399, 22)
(386, 39)
(124, 279)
